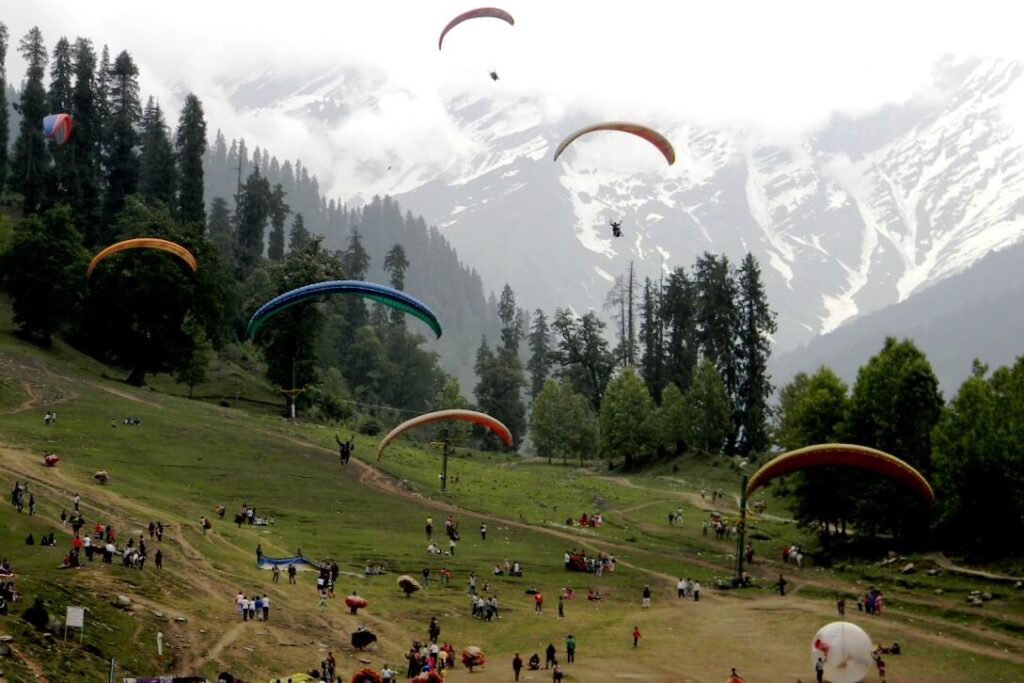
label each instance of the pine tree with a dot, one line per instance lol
(540, 361)
(396, 263)
(189, 149)
(220, 230)
(679, 316)
(85, 173)
(121, 137)
(717, 326)
(299, 237)
(652, 340)
(30, 164)
(4, 114)
(251, 215)
(511, 333)
(278, 214)
(621, 301)
(754, 388)
(157, 173)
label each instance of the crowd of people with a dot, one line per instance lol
(252, 608)
(593, 520)
(578, 560)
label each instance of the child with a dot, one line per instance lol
(636, 635)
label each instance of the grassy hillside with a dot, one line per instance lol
(188, 457)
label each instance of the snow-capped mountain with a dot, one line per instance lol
(850, 219)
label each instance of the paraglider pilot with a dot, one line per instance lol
(494, 75)
(616, 228)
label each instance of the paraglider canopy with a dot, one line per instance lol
(57, 127)
(144, 243)
(454, 414)
(641, 131)
(479, 13)
(380, 293)
(846, 455)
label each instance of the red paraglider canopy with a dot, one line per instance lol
(845, 455)
(465, 415)
(641, 131)
(493, 12)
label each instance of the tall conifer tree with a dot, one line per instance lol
(299, 237)
(85, 174)
(157, 173)
(30, 164)
(190, 146)
(754, 388)
(539, 364)
(278, 214)
(121, 136)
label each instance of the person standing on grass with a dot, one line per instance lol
(266, 608)
(781, 583)
(570, 649)
(561, 608)
(291, 573)
(819, 670)
(277, 573)
(429, 528)
(696, 591)
(517, 665)
(646, 602)
(159, 559)
(549, 655)
(636, 636)
(538, 602)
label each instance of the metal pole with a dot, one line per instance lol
(110, 678)
(444, 460)
(743, 527)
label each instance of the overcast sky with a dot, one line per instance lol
(782, 66)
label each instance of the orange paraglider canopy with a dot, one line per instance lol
(844, 455)
(649, 134)
(144, 243)
(465, 415)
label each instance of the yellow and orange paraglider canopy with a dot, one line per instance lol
(845, 455)
(454, 414)
(144, 243)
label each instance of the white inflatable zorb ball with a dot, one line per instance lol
(846, 651)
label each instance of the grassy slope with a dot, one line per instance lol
(189, 456)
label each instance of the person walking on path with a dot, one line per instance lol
(517, 665)
(819, 670)
(696, 591)
(561, 608)
(483, 531)
(570, 649)
(636, 636)
(681, 588)
(646, 603)
(159, 559)
(429, 528)
(781, 583)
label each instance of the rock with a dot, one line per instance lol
(908, 568)
(1019, 585)
(366, 661)
(939, 591)
(180, 620)
(933, 572)
(986, 596)
(6, 639)
(158, 615)
(123, 601)
(974, 600)
(5, 650)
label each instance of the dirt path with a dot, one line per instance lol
(945, 563)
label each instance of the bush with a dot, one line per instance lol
(369, 427)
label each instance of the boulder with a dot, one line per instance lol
(908, 568)
(122, 602)
(5, 650)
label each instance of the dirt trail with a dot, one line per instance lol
(945, 563)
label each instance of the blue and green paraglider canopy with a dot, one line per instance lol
(380, 293)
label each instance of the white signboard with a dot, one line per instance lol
(76, 617)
